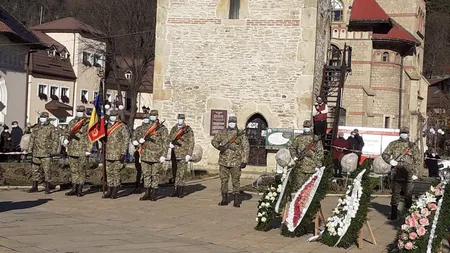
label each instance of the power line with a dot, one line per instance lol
(101, 37)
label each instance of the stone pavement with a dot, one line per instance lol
(56, 223)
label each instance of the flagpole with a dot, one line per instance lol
(102, 83)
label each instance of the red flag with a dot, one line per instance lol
(96, 122)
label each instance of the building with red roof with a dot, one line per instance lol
(386, 87)
(16, 41)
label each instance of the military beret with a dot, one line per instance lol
(14, 122)
(154, 112)
(404, 130)
(44, 114)
(307, 123)
(181, 116)
(81, 108)
(232, 119)
(114, 113)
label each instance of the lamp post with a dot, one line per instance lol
(436, 135)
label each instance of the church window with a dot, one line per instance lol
(234, 9)
(338, 10)
(385, 57)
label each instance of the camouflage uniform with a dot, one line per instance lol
(231, 159)
(154, 148)
(43, 144)
(78, 147)
(402, 174)
(310, 160)
(118, 141)
(181, 153)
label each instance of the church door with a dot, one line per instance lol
(256, 126)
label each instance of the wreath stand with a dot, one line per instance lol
(361, 236)
(319, 217)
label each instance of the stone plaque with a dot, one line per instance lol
(218, 121)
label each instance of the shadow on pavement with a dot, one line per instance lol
(6, 206)
(383, 209)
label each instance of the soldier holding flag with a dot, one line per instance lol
(182, 145)
(151, 140)
(118, 140)
(78, 148)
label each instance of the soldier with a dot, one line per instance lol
(308, 150)
(78, 148)
(151, 138)
(118, 140)
(404, 157)
(43, 144)
(234, 149)
(182, 145)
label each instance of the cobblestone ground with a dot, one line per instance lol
(56, 223)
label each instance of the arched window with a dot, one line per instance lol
(385, 57)
(338, 10)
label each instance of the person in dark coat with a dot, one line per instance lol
(431, 162)
(16, 137)
(356, 143)
(340, 147)
(5, 143)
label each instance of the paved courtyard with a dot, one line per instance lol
(56, 223)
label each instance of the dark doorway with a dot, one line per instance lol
(256, 125)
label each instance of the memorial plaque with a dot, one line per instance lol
(218, 121)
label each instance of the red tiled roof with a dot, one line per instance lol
(16, 30)
(397, 33)
(368, 10)
(69, 24)
(54, 67)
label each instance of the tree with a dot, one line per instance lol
(128, 29)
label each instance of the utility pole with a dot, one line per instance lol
(41, 14)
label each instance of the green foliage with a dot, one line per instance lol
(357, 223)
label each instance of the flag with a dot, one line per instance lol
(96, 122)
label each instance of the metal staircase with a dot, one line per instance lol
(334, 75)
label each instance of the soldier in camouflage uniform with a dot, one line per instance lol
(151, 139)
(307, 151)
(405, 158)
(118, 140)
(78, 148)
(234, 150)
(43, 144)
(182, 145)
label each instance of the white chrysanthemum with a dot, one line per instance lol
(274, 194)
(263, 219)
(260, 215)
(257, 219)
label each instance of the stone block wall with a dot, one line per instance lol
(264, 62)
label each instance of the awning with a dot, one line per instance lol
(56, 105)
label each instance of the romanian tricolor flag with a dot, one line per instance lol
(96, 122)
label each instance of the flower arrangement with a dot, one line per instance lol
(302, 199)
(351, 212)
(266, 206)
(306, 203)
(426, 222)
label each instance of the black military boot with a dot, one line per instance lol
(408, 203)
(108, 193)
(393, 213)
(237, 200)
(181, 192)
(152, 194)
(73, 192)
(47, 188)
(34, 187)
(224, 201)
(146, 195)
(175, 192)
(80, 190)
(114, 192)
(137, 188)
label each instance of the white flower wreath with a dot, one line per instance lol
(345, 211)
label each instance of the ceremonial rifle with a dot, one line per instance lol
(234, 138)
(180, 134)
